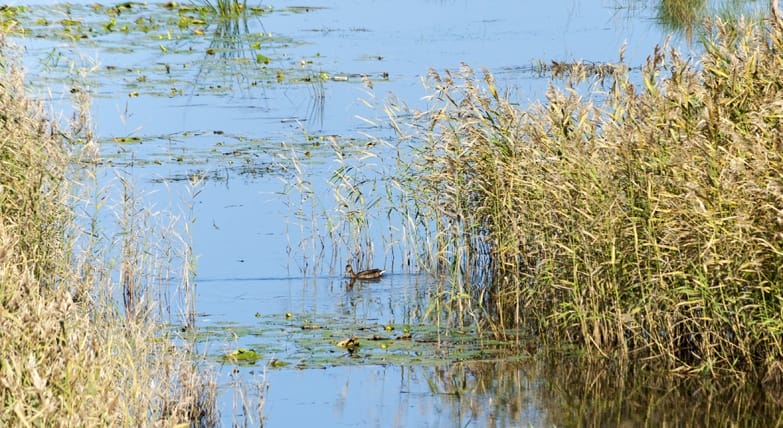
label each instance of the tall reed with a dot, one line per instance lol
(641, 219)
(228, 9)
(71, 355)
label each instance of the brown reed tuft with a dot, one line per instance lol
(70, 357)
(637, 216)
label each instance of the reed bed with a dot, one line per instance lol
(80, 340)
(637, 217)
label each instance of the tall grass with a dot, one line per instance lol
(75, 350)
(642, 221)
(228, 9)
(340, 219)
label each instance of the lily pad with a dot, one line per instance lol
(242, 355)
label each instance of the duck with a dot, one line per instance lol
(365, 274)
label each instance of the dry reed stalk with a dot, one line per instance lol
(70, 357)
(641, 221)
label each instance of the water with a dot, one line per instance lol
(201, 109)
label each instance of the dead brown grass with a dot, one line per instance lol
(70, 355)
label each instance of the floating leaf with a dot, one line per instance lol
(275, 363)
(126, 139)
(242, 355)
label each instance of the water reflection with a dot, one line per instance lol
(489, 394)
(541, 390)
(576, 393)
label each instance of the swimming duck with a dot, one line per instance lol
(365, 274)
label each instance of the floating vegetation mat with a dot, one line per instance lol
(324, 341)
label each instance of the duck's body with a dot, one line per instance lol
(365, 274)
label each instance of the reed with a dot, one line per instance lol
(80, 341)
(227, 9)
(639, 219)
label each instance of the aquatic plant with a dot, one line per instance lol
(640, 219)
(80, 338)
(229, 9)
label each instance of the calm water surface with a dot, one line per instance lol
(227, 120)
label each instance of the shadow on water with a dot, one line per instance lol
(576, 393)
(539, 391)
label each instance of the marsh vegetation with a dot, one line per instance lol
(80, 321)
(601, 256)
(637, 219)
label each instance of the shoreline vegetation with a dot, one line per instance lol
(81, 340)
(634, 219)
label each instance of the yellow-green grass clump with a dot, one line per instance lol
(643, 222)
(69, 356)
